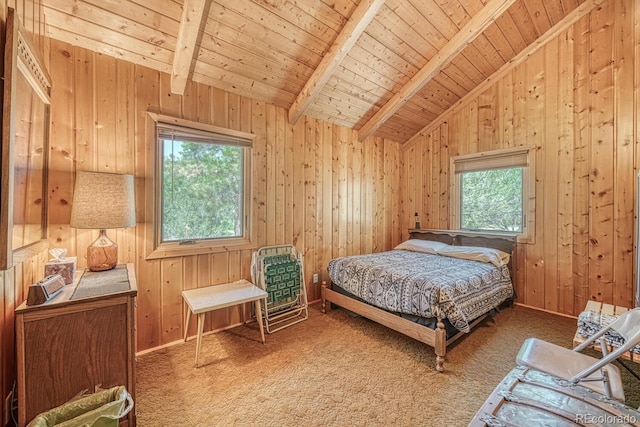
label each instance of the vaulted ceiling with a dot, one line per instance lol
(386, 68)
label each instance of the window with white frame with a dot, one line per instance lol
(202, 187)
(495, 191)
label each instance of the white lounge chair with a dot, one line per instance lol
(598, 375)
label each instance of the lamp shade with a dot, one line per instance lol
(103, 200)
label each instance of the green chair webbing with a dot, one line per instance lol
(282, 282)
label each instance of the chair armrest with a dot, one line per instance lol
(599, 365)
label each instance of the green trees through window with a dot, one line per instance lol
(202, 191)
(492, 200)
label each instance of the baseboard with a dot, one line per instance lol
(181, 341)
(546, 311)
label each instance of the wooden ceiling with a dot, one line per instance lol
(386, 68)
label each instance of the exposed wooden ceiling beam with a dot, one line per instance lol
(449, 51)
(562, 25)
(355, 26)
(192, 14)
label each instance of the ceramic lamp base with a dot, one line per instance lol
(102, 254)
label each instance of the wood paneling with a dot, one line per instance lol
(269, 50)
(572, 101)
(14, 282)
(309, 185)
(576, 100)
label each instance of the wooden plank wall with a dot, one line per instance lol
(315, 185)
(14, 282)
(577, 101)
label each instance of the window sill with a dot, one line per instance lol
(176, 250)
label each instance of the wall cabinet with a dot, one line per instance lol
(82, 338)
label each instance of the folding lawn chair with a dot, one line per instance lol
(279, 271)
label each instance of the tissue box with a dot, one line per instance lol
(66, 268)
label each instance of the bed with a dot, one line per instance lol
(422, 314)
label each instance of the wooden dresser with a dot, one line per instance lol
(82, 338)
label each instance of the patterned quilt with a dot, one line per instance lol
(423, 284)
(590, 322)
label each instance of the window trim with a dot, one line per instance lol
(157, 249)
(518, 156)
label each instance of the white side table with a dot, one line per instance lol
(203, 300)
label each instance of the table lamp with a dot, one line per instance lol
(102, 201)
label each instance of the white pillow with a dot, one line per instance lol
(417, 245)
(476, 253)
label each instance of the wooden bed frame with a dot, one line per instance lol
(436, 338)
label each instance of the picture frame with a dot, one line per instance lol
(25, 146)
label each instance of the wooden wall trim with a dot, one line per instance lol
(30, 268)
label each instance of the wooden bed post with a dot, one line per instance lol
(323, 296)
(440, 346)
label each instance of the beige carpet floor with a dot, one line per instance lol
(337, 370)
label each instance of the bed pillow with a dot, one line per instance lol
(417, 245)
(476, 253)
